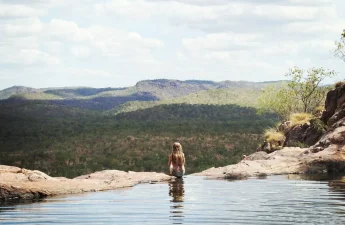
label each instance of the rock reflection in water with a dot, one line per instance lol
(176, 191)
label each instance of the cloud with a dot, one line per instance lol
(23, 27)
(315, 27)
(28, 57)
(192, 12)
(262, 2)
(87, 72)
(145, 39)
(81, 51)
(18, 11)
(222, 41)
(104, 41)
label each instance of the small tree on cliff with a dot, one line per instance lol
(302, 93)
(340, 47)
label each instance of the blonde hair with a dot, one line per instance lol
(177, 155)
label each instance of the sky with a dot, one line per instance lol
(116, 43)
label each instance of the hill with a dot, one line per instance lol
(144, 94)
(16, 90)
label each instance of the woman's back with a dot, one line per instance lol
(177, 161)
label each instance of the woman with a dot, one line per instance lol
(176, 161)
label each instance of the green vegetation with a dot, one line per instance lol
(144, 94)
(15, 90)
(67, 141)
(303, 93)
(318, 125)
(278, 100)
(238, 96)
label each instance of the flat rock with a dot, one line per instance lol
(23, 184)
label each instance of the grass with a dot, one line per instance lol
(273, 136)
(300, 118)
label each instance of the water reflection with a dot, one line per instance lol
(176, 191)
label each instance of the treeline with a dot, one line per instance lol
(200, 112)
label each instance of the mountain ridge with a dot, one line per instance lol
(18, 89)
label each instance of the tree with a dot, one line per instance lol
(340, 47)
(277, 98)
(302, 93)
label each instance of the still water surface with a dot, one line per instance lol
(194, 200)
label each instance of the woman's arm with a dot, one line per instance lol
(169, 161)
(184, 162)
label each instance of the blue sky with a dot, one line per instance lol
(115, 43)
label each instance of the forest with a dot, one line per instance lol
(68, 141)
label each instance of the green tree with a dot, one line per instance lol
(302, 93)
(340, 47)
(306, 87)
(277, 98)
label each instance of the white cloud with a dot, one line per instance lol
(196, 14)
(23, 27)
(315, 27)
(81, 51)
(143, 39)
(28, 57)
(87, 72)
(222, 41)
(17, 11)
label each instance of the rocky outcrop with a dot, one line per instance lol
(334, 105)
(22, 184)
(324, 156)
(306, 135)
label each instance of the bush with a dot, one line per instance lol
(318, 125)
(300, 118)
(273, 136)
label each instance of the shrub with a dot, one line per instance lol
(273, 136)
(300, 118)
(318, 125)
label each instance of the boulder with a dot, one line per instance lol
(335, 101)
(305, 135)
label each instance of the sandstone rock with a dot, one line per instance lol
(334, 101)
(22, 184)
(305, 135)
(261, 155)
(285, 127)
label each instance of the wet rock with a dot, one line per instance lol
(236, 176)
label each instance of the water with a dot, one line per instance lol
(194, 200)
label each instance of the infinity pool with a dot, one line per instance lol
(194, 200)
